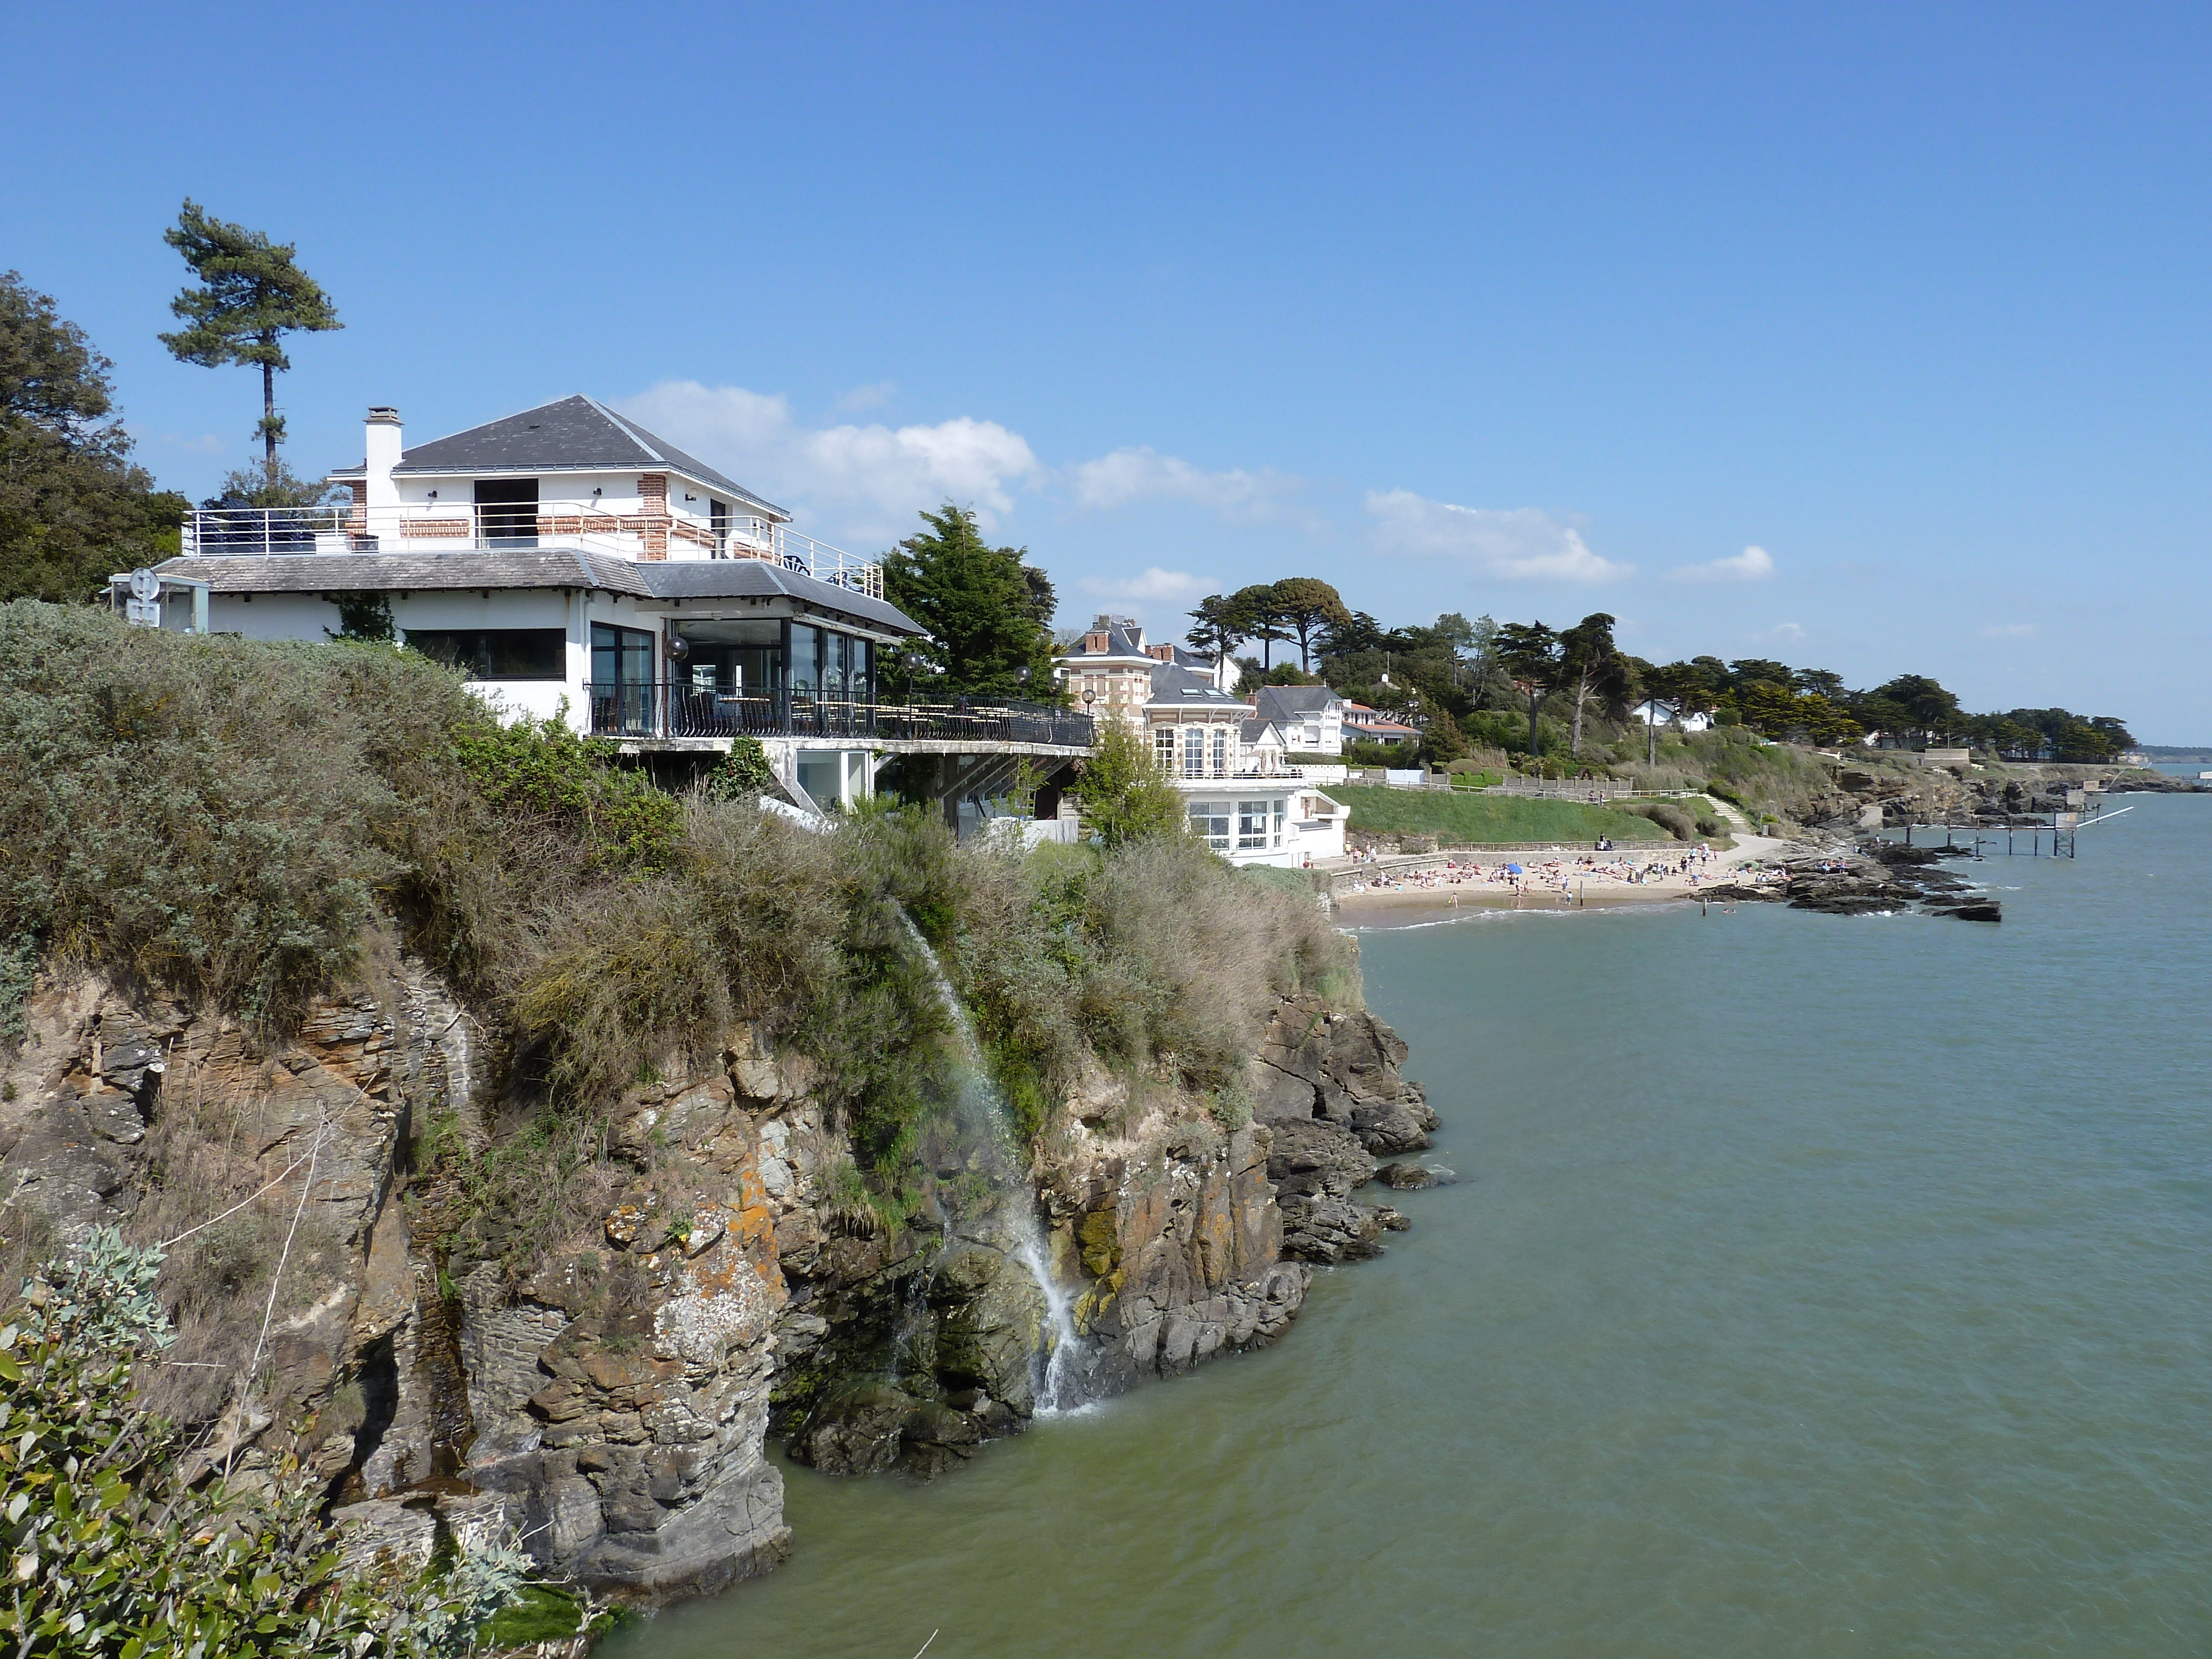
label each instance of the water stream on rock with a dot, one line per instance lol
(985, 1106)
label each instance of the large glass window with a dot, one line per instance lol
(622, 679)
(805, 658)
(1210, 818)
(1251, 826)
(1163, 747)
(497, 653)
(1193, 751)
(734, 658)
(1221, 751)
(836, 656)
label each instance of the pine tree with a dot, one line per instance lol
(253, 294)
(981, 606)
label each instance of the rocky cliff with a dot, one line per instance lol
(609, 1390)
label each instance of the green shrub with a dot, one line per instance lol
(116, 1551)
(744, 774)
(213, 815)
(1676, 820)
(544, 770)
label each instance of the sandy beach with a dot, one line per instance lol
(1474, 880)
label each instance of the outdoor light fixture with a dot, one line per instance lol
(434, 494)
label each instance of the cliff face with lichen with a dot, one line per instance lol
(610, 1396)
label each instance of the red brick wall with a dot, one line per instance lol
(652, 489)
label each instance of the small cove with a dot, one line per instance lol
(1818, 1285)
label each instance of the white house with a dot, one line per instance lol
(1311, 717)
(1365, 724)
(1227, 758)
(1652, 712)
(570, 562)
(1229, 765)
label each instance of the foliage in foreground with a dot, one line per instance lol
(113, 1551)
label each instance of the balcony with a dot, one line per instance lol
(665, 709)
(466, 527)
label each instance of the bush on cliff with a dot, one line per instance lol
(235, 822)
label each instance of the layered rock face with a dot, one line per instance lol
(611, 1395)
(1330, 1101)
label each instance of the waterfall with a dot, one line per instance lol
(983, 1100)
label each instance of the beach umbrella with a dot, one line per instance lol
(1515, 870)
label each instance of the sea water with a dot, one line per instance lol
(1815, 1285)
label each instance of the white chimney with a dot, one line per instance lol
(383, 455)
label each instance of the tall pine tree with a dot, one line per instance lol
(252, 295)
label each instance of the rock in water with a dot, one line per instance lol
(1408, 1177)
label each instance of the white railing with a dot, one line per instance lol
(468, 526)
(1249, 772)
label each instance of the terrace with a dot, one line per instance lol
(680, 711)
(471, 527)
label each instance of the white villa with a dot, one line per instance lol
(1652, 712)
(1227, 760)
(1311, 717)
(572, 562)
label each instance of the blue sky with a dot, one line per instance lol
(1533, 311)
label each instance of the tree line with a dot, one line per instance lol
(1464, 683)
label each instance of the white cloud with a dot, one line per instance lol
(1142, 474)
(1753, 564)
(871, 479)
(1783, 633)
(868, 397)
(1154, 585)
(1525, 543)
(2008, 631)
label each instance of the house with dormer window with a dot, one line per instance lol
(1229, 760)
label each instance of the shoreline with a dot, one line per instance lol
(1468, 887)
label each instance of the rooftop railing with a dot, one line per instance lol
(468, 527)
(672, 709)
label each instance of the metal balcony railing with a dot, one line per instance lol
(469, 526)
(1248, 769)
(666, 709)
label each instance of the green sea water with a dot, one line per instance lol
(1816, 1286)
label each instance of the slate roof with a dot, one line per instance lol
(1120, 641)
(1176, 687)
(718, 579)
(424, 573)
(571, 435)
(1284, 701)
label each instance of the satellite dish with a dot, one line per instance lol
(145, 585)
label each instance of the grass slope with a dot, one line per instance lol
(1472, 820)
